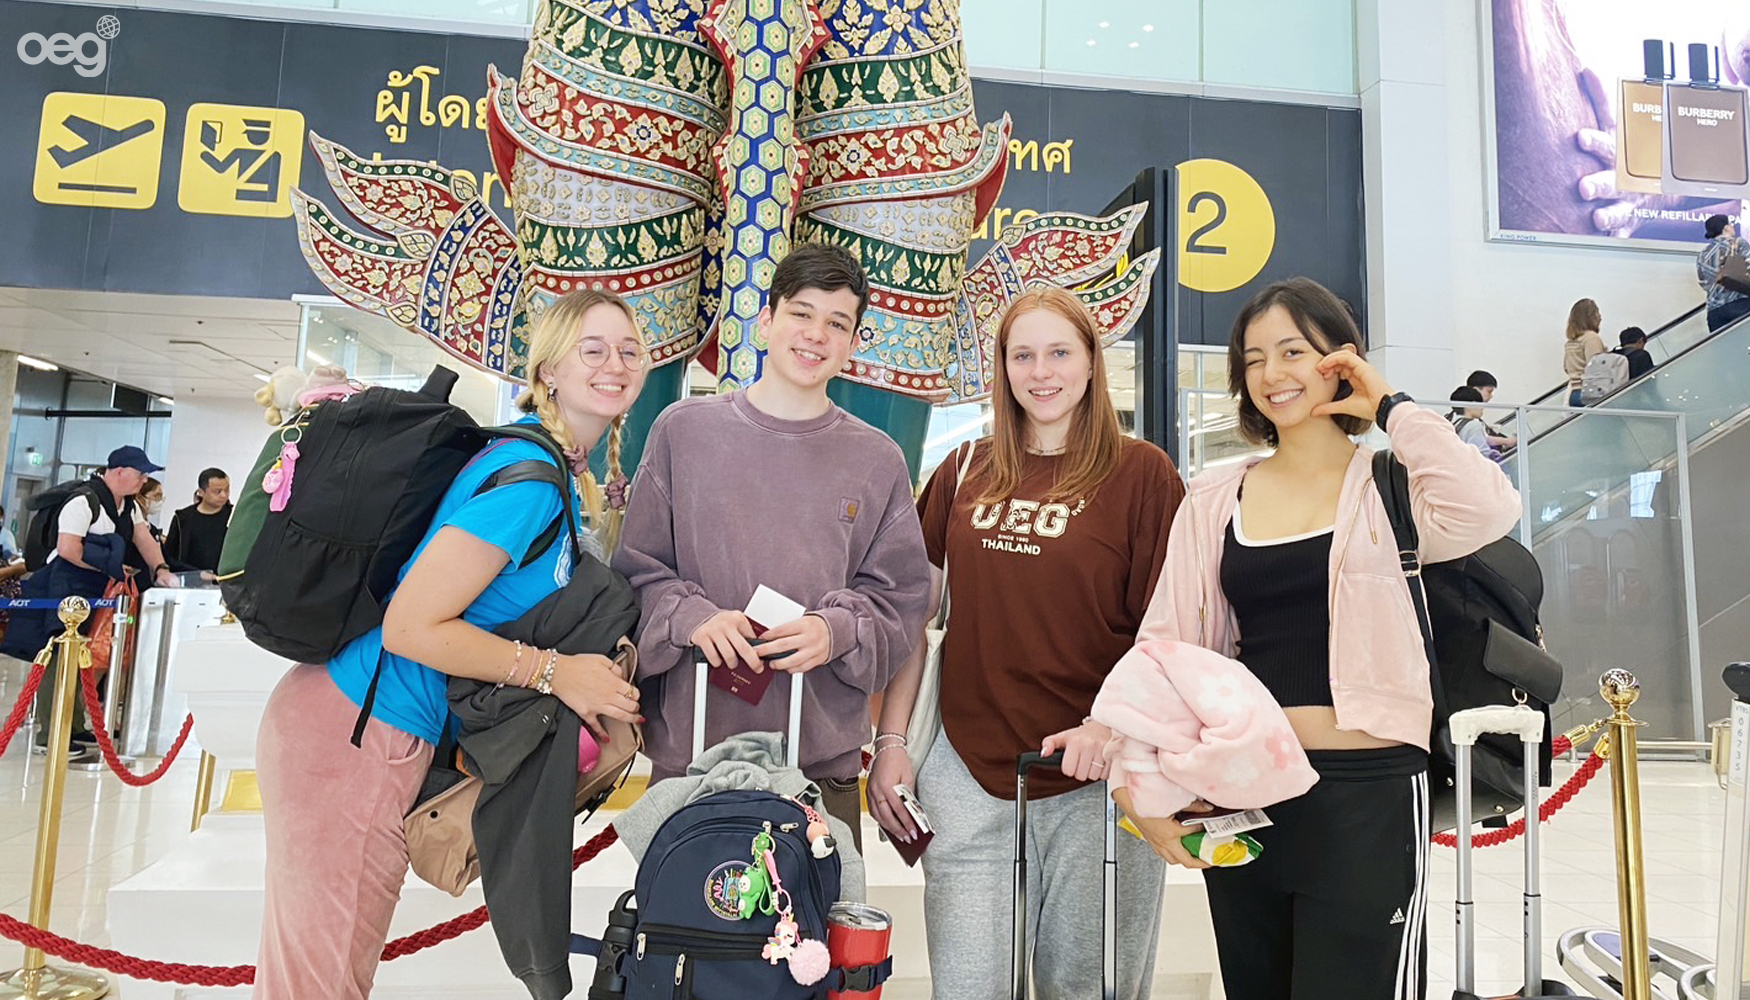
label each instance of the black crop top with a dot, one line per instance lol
(1278, 590)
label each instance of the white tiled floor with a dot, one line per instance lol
(110, 831)
(1682, 814)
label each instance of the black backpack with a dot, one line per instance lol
(371, 471)
(684, 930)
(1479, 623)
(43, 535)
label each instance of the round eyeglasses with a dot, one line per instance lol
(594, 352)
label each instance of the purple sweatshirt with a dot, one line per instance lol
(728, 498)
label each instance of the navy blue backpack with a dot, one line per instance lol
(678, 934)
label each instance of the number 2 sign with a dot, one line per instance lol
(1226, 223)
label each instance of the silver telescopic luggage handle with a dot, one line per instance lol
(1466, 728)
(793, 736)
(1109, 889)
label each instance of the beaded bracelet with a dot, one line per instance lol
(880, 750)
(510, 674)
(889, 736)
(545, 684)
(534, 668)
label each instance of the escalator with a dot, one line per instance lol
(1603, 487)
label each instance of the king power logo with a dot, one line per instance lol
(89, 50)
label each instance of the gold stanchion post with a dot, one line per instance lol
(36, 980)
(1621, 690)
(203, 789)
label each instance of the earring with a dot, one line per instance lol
(552, 392)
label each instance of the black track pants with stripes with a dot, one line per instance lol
(1335, 907)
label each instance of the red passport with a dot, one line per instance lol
(910, 853)
(766, 609)
(739, 679)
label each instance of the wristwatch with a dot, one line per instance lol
(160, 568)
(1387, 403)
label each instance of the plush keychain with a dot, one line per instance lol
(277, 481)
(809, 960)
(754, 895)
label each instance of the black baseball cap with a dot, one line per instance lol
(131, 457)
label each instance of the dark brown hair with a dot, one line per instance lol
(1320, 317)
(823, 266)
(1095, 441)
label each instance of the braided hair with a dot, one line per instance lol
(555, 334)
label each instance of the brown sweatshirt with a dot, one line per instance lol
(728, 498)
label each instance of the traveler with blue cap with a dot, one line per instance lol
(94, 521)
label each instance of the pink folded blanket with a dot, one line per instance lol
(1192, 724)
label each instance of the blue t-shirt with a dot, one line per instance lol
(411, 696)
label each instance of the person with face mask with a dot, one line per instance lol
(148, 502)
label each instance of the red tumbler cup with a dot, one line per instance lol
(857, 934)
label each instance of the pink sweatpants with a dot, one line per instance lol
(336, 854)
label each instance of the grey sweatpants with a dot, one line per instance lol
(969, 896)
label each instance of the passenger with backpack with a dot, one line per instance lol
(336, 850)
(1055, 527)
(1289, 564)
(78, 538)
(1581, 344)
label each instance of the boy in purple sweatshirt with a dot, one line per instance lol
(776, 485)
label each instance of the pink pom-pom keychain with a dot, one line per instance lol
(809, 960)
(810, 963)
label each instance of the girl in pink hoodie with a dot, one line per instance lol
(1288, 564)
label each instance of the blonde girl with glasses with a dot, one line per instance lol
(336, 854)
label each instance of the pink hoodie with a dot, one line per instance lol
(1197, 725)
(1379, 672)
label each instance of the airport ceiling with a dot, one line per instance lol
(170, 345)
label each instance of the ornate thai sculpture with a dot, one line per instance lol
(673, 150)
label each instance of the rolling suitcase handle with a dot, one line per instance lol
(1466, 727)
(1109, 883)
(792, 736)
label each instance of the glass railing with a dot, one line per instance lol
(1708, 384)
(1607, 513)
(1664, 343)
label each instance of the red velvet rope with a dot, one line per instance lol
(31, 681)
(100, 729)
(1516, 829)
(242, 975)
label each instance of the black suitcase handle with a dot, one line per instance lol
(1033, 758)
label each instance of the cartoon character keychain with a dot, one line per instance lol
(809, 959)
(755, 891)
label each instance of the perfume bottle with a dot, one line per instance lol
(1640, 139)
(1707, 146)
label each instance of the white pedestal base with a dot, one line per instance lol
(202, 903)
